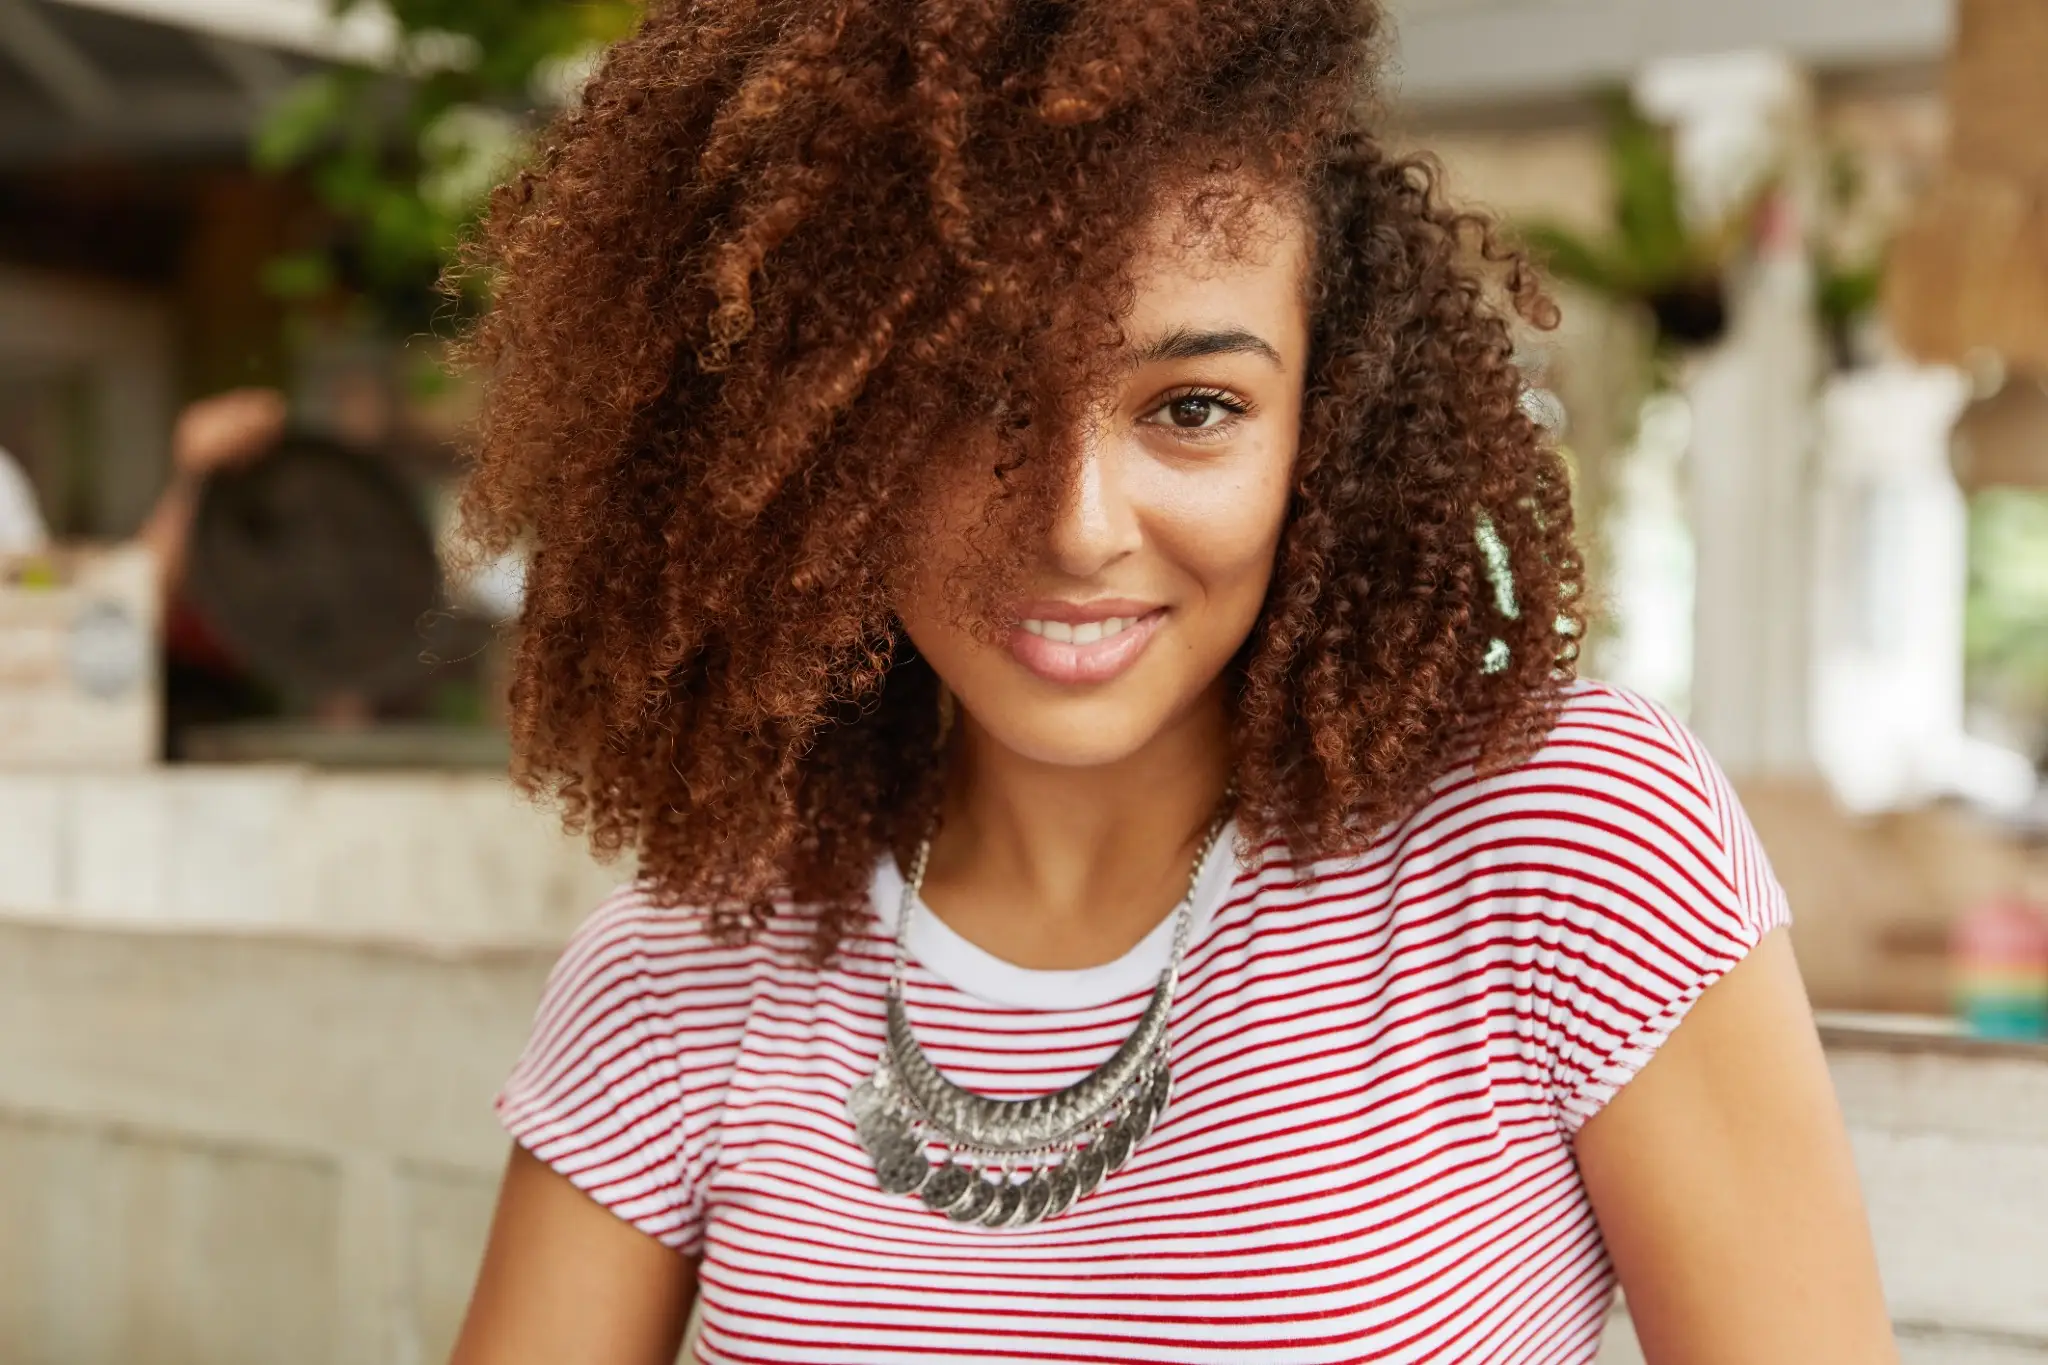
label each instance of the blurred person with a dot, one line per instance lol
(1037, 548)
(213, 434)
(204, 681)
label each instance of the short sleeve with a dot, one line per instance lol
(598, 1093)
(1648, 885)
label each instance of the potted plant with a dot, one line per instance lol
(1654, 256)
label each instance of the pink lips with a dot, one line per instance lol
(1076, 662)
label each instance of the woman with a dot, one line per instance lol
(1037, 550)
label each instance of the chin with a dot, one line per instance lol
(1072, 736)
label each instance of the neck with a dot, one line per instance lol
(1051, 866)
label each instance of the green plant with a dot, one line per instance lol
(405, 155)
(1846, 294)
(2005, 640)
(1653, 255)
(1848, 254)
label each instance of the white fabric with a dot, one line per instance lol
(21, 522)
(979, 973)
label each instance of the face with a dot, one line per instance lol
(1156, 566)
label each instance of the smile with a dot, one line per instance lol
(1053, 644)
(1083, 633)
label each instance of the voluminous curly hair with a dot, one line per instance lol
(790, 260)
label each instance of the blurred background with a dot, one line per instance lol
(272, 923)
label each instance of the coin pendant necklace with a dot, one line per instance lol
(1012, 1163)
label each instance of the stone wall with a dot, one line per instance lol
(250, 1149)
(244, 1150)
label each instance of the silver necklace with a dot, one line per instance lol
(1011, 1163)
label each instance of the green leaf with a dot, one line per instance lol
(1577, 259)
(307, 116)
(1649, 210)
(299, 277)
(406, 158)
(1654, 249)
(1845, 295)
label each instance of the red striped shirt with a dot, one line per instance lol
(1380, 1064)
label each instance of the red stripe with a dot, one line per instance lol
(1378, 1065)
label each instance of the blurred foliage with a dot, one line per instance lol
(1848, 276)
(405, 157)
(1653, 256)
(2005, 640)
(1847, 293)
(1649, 244)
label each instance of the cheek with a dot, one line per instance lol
(1222, 525)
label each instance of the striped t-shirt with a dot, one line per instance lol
(1379, 1065)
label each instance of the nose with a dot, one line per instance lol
(1098, 523)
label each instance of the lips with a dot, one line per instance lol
(1075, 644)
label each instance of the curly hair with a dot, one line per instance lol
(790, 259)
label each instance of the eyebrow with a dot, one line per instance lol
(1189, 343)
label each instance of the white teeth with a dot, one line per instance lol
(1086, 633)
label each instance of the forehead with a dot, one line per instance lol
(1223, 254)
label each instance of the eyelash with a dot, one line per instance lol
(1237, 407)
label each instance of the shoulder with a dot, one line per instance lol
(643, 984)
(1594, 890)
(1609, 751)
(1619, 786)
(631, 930)
(1622, 750)
(637, 952)
(637, 1031)
(1613, 856)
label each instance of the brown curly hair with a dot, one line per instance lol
(791, 258)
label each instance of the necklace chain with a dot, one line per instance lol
(1010, 1163)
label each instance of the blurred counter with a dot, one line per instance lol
(443, 858)
(1875, 899)
(1951, 1137)
(387, 746)
(1910, 1034)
